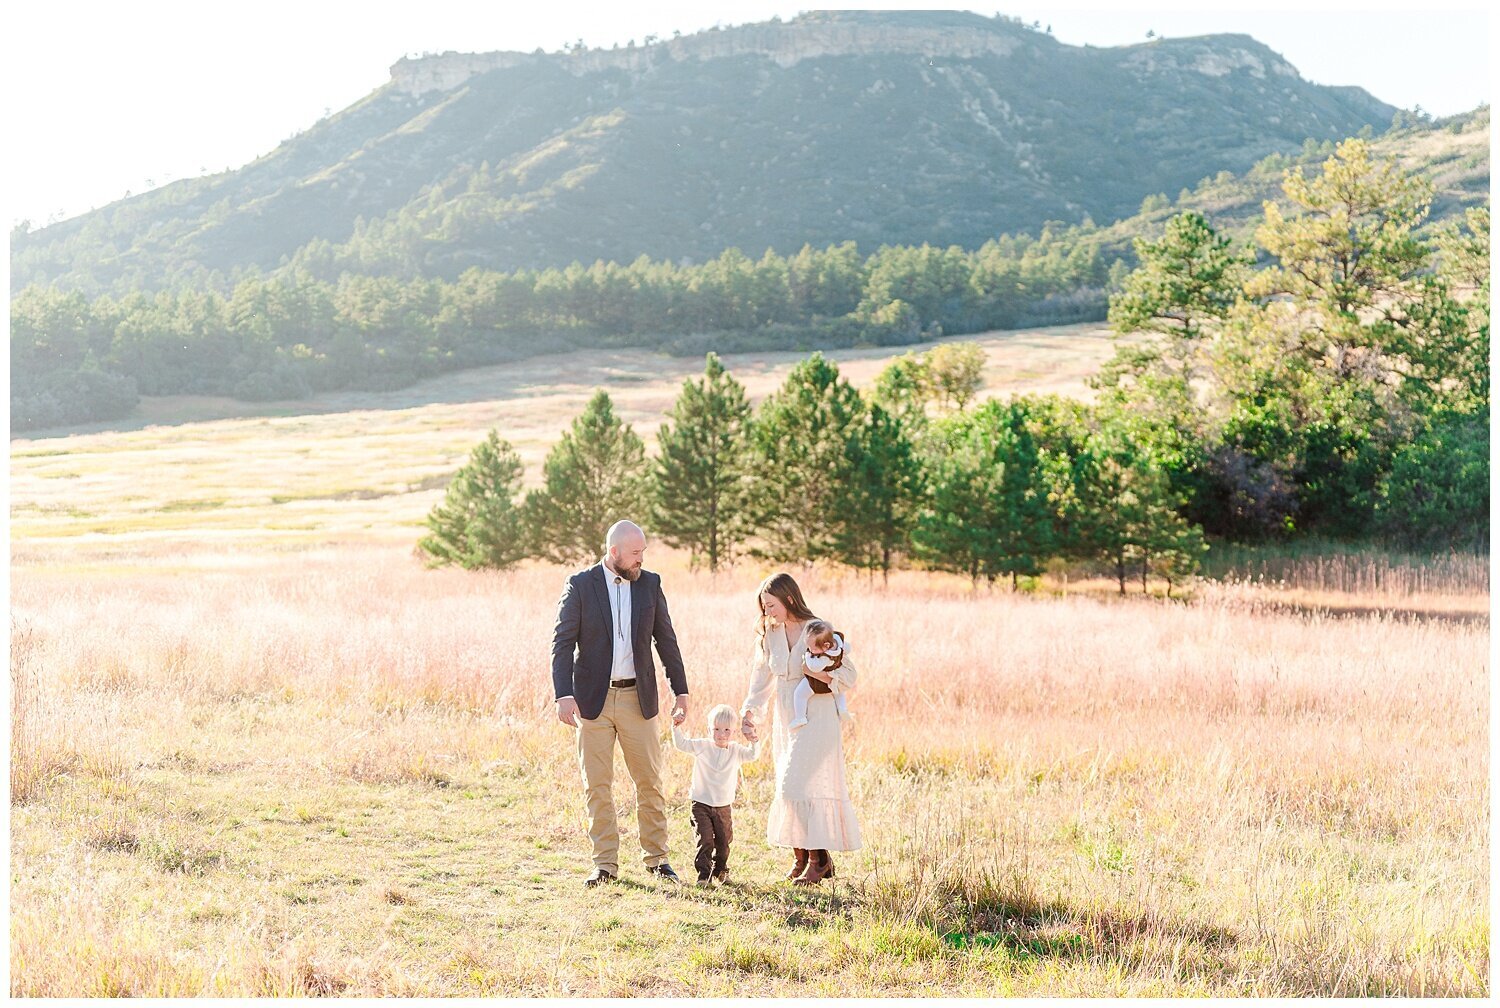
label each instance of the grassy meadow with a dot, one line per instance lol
(258, 748)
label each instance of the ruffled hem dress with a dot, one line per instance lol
(811, 808)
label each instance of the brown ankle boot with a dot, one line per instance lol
(801, 864)
(819, 867)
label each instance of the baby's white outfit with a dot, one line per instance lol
(804, 691)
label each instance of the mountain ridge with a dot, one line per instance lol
(877, 127)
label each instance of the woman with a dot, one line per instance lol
(811, 812)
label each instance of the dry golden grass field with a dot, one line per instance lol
(258, 748)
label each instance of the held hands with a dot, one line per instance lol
(679, 709)
(747, 728)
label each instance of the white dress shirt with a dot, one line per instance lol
(620, 630)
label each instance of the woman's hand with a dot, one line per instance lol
(747, 726)
(824, 677)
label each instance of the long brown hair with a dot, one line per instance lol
(786, 591)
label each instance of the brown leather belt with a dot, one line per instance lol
(621, 683)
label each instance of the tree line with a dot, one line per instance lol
(1331, 378)
(911, 474)
(292, 335)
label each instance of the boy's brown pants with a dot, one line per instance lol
(715, 830)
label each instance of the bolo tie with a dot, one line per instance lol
(619, 608)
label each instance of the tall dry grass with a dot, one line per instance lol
(1359, 571)
(1130, 796)
(374, 626)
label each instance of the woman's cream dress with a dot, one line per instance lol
(811, 808)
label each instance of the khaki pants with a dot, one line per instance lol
(641, 745)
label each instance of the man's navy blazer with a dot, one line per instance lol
(582, 643)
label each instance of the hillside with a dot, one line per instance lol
(875, 127)
(288, 336)
(1452, 154)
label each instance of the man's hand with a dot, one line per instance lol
(679, 708)
(567, 711)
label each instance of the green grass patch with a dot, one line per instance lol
(192, 505)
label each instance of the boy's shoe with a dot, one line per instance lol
(720, 878)
(704, 882)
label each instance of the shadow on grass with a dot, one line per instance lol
(1030, 929)
(1007, 926)
(799, 907)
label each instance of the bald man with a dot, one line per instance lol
(605, 684)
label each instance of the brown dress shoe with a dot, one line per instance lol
(801, 864)
(819, 867)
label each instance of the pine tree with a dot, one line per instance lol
(1025, 532)
(903, 389)
(1173, 547)
(877, 505)
(1125, 511)
(1325, 375)
(701, 488)
(1181, 293)
(988, 512)
(594, 476)
(1352, 245)
(1455, 359)
(1351, 266)
(950, 533)
(800, 459)
(1186, 280)
(478, 523)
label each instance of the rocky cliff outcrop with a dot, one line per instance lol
(785, 44)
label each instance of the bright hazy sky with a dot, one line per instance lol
(109, 97)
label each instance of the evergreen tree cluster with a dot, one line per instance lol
(1342, 387)
(822, 473)
(293, 334)
(1332, 379)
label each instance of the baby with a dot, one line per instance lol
(716, 774)
(825, 652)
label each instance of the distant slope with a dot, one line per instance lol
(419, 435)
(1452, 154)
(73, 360)
(881, 127)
